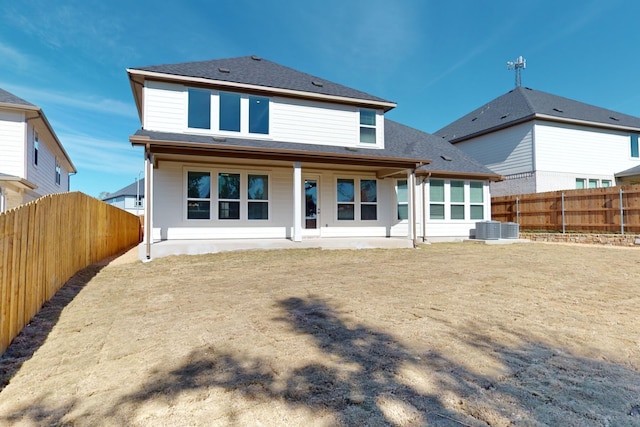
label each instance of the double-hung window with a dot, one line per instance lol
(258, 196)
(635, 150)
(436, 199)
(228, 196)
(476, 198)
(199, 109)
(198, 195)
(346, 199)
(368, 126)
(593, 183)
(606, 183)
(457, 199)
(402, 197)
(36, 147)
(368, 200)
(580, 183)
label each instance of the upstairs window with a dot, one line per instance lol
(198, 195)
(258, 115)
(367, 126)
(635, 152)
(229, 111)
(199, 109)
(58, 172)
(402, 196)
(36, 148)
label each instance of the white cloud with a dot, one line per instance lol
(12, 57)
(90, 154)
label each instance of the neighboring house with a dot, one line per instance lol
(247, 148)
(129, 198)
(542, 142)
(33, 162)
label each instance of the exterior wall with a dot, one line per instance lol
(12, 146)
(507, 151)
(170, 219)
(582, 150)
(291, 120)
(44, 173)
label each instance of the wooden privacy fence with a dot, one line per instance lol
(44, 243)
(611, 209)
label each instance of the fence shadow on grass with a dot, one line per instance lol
(36, 332)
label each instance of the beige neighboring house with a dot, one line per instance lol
(33, 162)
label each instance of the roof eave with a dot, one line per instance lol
(493, 177)
(152, 75)
(180, 147)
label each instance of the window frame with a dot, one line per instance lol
(606, 183)
(58, 173)
(228, 200)
(402, 202)
(206, 93)
(634, 146)
(263, 201)
(356, 203)
(197, 199)
(472, 203)
(368, 203)
(438, 203)
(36, 147)
(368, 126)
(442, 207)
(581, 183)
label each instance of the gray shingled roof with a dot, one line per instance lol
(522, 104)
(628, 172)
(400, 142)
(9, 98)
(261, 72)
(129, 190)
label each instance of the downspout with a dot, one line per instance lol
(148, 201)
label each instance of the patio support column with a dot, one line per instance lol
(148, 202)
(297, 202)
(411, 181)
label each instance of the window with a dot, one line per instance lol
(436, 199)
(199, 109)
(368, 126)
(593, 183)
(606, 183)
(36, 147)
(402, 196)
(368, 200)
(198, 195)
(229, 111)
(58, 172)
(457, 199)
(258, 196)
(476, 196)
(346, 199)
(258, 115)
(228, 196)
(635, 152)
(580, 183)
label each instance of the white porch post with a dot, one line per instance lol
(412, 206)
(297, 202)
(148, 215)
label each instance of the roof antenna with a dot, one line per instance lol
(517, 65)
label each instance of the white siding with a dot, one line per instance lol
(12, 143)
(44, 174)
(581, 150)
(165, 107)
(507, 151)
(290, 120)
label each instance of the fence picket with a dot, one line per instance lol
(44, 243)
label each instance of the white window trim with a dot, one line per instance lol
(357, 202)
(447, 201)
(395, 211)
(186, 197)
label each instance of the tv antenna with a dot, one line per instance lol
(518, 64)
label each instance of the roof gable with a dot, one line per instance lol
(9, 98)
(255, 71)
(522, 104)
(133, 189)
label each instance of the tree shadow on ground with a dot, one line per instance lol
(369, 378)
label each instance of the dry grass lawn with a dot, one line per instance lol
(448, 334)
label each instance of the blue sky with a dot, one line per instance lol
(437, 59)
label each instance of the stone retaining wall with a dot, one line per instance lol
(591, 239)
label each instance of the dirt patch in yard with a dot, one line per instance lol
(448, 334)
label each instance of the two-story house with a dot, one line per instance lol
(542, 142)
(129, 198)
(247, 148)
(33, 162)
